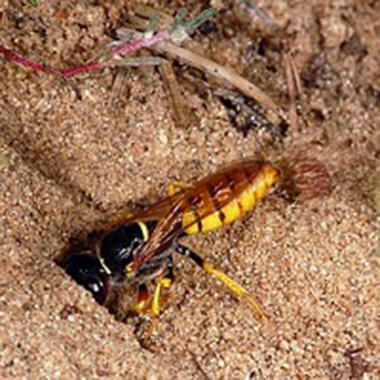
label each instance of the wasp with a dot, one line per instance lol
(138, 248)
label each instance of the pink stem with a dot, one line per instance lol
(145, 41)
(92, 66)
(16, 58)
(70, 72)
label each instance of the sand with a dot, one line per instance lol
(73, 152)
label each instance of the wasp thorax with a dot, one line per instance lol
(120, 245)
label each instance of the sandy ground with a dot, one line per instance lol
(75, 151)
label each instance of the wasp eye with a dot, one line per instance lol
(87, 271)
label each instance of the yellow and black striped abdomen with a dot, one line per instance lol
(227, 196)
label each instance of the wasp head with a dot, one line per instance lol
(88, 272)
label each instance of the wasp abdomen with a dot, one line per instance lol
(226, 197)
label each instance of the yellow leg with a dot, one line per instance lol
(145, 305)
(156, 304)
(162, 283)
(175, 187)
(142, 302)
(237, 289)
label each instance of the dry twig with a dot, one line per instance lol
(224, 73)
(294, 89)
(160, 43)
(181, 114)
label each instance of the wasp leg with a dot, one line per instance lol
(175, 187)
(163, 283)
(229, 282)
(142, 302)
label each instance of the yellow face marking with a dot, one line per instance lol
(144, 230)
(104, 266)
(102, 263)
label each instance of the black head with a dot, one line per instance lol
(87, 271)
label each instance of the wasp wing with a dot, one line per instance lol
(162, 208)
(155, 212)
(172, 226)
(166, 231)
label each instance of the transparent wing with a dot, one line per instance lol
(171, 226)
